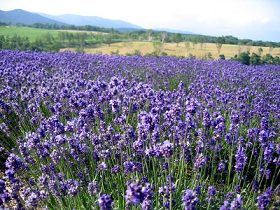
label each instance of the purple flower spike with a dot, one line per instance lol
(189, 200)
(105, 202)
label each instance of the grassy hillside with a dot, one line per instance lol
(32, 33)
(171, 49)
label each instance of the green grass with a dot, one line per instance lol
(31, 33)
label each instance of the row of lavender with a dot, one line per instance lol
(115, 132)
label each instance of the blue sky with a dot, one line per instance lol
(253, 19)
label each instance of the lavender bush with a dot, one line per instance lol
(85, 131)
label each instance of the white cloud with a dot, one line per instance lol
(265, 20)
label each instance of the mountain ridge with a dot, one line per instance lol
(79, 20)
(22, 16)
(174, 31)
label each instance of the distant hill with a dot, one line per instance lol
(130, 29)
(175, 31)
(79, 20)
(157, 29)
(22, 16)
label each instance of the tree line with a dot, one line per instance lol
(154, 35)
(63, 27)
(65, 39)
(255, 59)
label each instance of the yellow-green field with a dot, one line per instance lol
(171, 49)
(31, 33)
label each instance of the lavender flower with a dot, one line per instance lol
(32, 200)
(55, 156)
(221, 166)
(5, 196)
(236, 203)
(263, 201)
(263, 137)
(200, 161)
(225, 206)
(134, 194)
(116, 169)
(234, 117)
(278, 149)
(255, 186)
(105, 202)
(93, 188)
(166, 149)
(102, 166)
(240, 159)
(229, 196)
(211, 193)
(264, 124)
(197, 190)
(13, 162)
(268, 153)
(189, 200)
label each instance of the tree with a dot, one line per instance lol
(25, 44)
(192, 56)
(54, 47)
(158, 47)
(81, 38)
(271, 46)
(231, 40)
(276, 60)
(177, 38)
(260, 50)
(255, 59)
(268, 59)
(48, 38)
(69, 37)
(194, 41)
(249, 45)
(187, 45)
(259, 43)
(244, 58)
(2, 41)
(222, 57)
(219, 43)
(163, 36)
(61, 36)
(209, 56)
(201, 40)
(16, 42)
(240, 47)
(3, 24)
(149, 35)
(107, 39)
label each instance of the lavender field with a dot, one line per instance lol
(82, 131)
